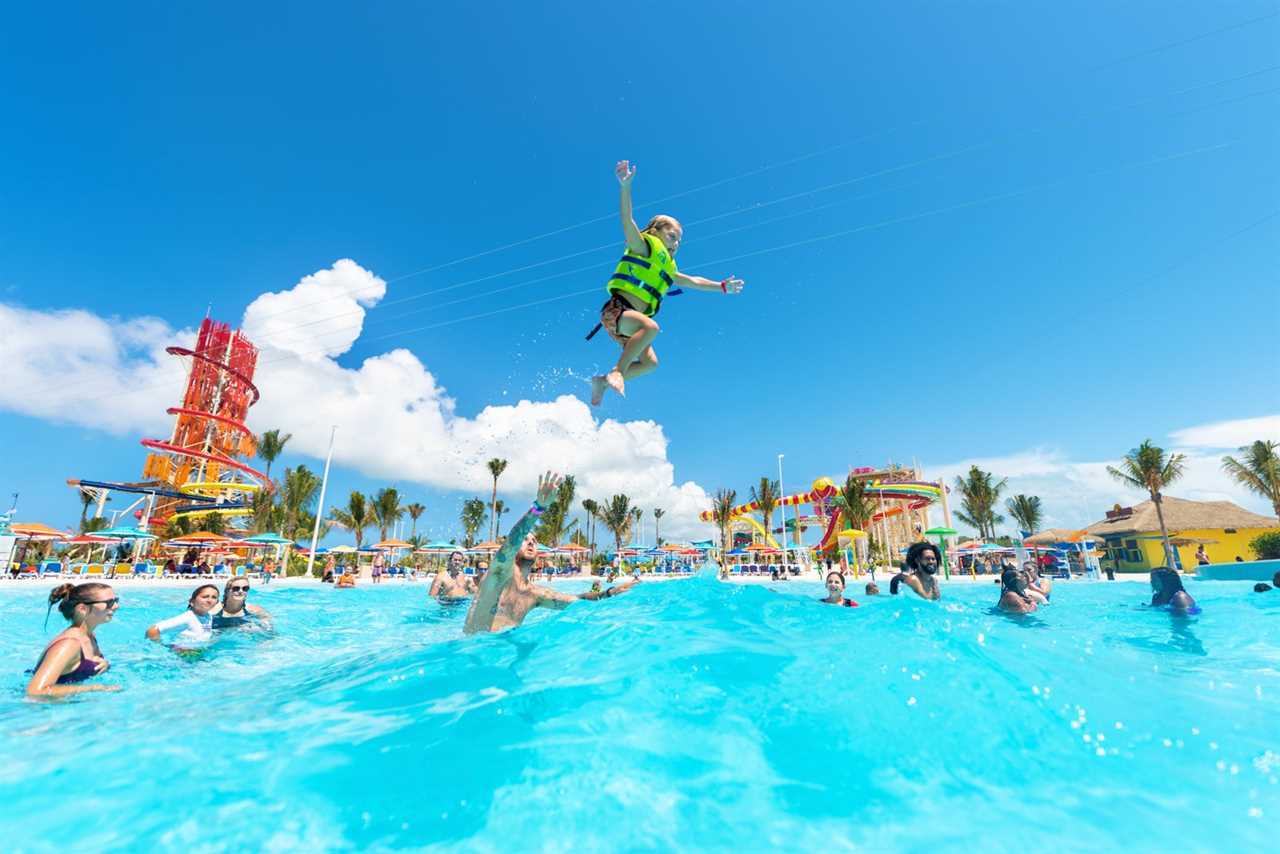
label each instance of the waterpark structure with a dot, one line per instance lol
(902, 514)
(199, 470)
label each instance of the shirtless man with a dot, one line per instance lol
(920, 572)
(505, 596)
(451, 585)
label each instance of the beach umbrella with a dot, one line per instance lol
(126, 534)
(343, 550)
(198, 538)
(572, 547)
(37, 531)
(267, 539)
(392, 545)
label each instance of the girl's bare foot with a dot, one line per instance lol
(598, 386)
(616, 382)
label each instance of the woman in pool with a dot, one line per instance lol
(73, 656)
(1038, 585)
(235, 610)
(1013, 593)
(835, 591)
(196, 622)
(1168, 592)
(919, 572)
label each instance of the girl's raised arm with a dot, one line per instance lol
(625, 172)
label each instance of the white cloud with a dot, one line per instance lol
(395, 420)
(1077, 493)
(1229, 434)
(73, 366)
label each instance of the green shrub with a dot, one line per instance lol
(1266, 546)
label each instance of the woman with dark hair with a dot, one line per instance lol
(196, 622)
(451, 585)
(1013, 593)
(73, 656)
(235, 610)
(919, 571)
(835, 591)
(1168, 592)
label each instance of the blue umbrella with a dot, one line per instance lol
(125, 534)
(267, 539)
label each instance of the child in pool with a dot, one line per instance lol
(196, 622)
(636, 290)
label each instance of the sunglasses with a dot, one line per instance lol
(108, 602)
(244, 590)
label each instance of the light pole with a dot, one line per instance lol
(781, 493)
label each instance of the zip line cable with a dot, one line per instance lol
(362, 313)
(299, 355)
(766, 168)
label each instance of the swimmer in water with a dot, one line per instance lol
(920, 572)
(196, 622)
(73, 656)
(637, 288)
(235, 610)
(1013, 593)
(1168, 592)
(505, 596)
(872, 589)
(451, 585)
(835, 591)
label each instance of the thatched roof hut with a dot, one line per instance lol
(1180, 515)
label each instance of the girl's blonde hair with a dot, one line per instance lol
(661, 219)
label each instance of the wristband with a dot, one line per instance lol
(537, 509)
(723, 286)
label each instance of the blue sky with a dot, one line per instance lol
(1062, 220)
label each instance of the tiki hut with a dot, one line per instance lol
(1132, 534)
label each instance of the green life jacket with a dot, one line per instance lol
(646, 279)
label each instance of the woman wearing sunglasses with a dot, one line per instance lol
(74, 656)
(236, 610)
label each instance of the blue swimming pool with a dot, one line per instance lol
(687, 715)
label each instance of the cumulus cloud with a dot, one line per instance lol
(1076, 493)
(319, 317)
(72, 366)
(395, 419)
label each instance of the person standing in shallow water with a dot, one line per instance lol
(73, 656)
(451, 585)
(505, 596)
(920, 571)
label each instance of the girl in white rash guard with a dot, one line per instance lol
(196, 622)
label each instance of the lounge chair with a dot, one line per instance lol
(122, 570)
(220, 570)
(145, 570)
(93, 569)
(50, 567)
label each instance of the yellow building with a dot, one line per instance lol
(1133, 542)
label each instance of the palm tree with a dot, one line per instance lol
(591, 508)
(86, 498)
(177, 526)
(415, 510)
(355, 517)
(297, 495)
(722, 514)
(1258, 472)
(499, 507)
(267, 514)
(472, 519)
(615, 515)
(271, 445)
(1026, 511)
(856, 503)
(386, 509)
(978, 496)
(637, 518)
(766, 495)
(496, 468)
(1147, 467)
(658, 513)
